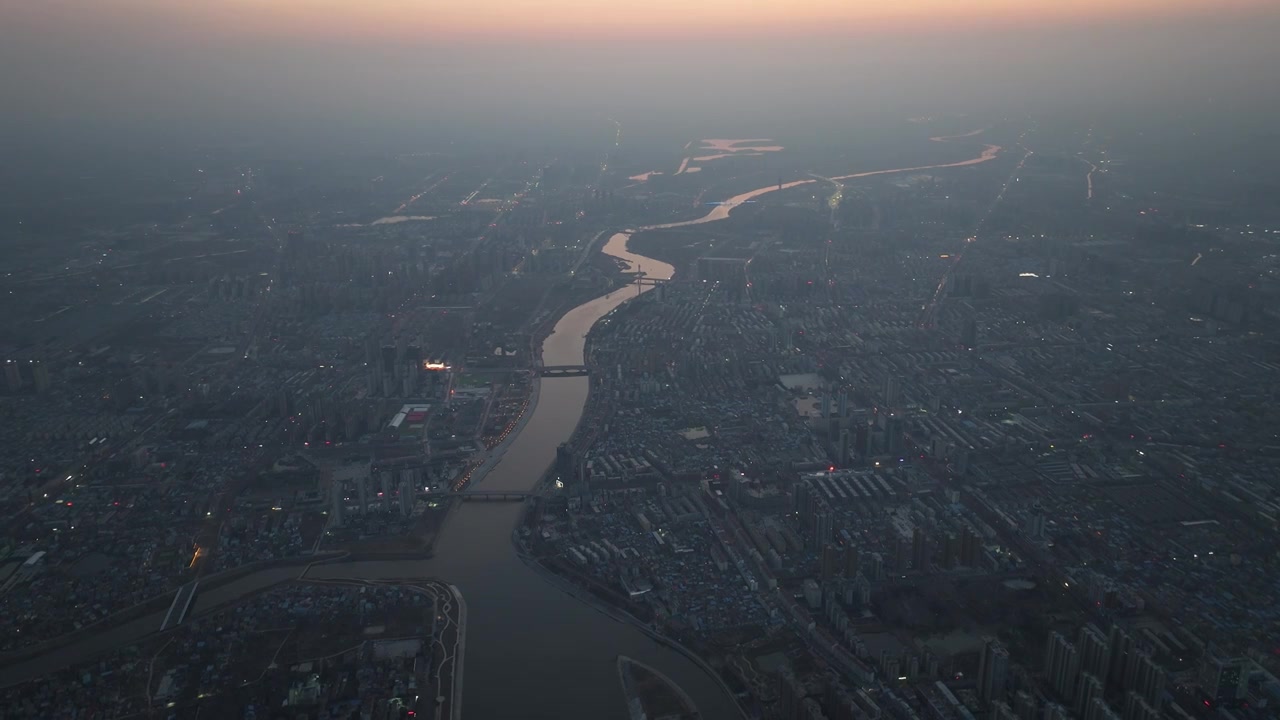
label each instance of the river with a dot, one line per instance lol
(532, 650)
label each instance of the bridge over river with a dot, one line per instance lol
(543, 370)
(483, 495)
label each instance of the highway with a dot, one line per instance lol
(929, 313)
(617, 142)
(467, 200)
(31, 280)
(587, 252)
(834, 201)
(181, 605)
(262, 308)
(415, 198)
(1088, 179)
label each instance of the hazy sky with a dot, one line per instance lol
(418, 20)
(246, 67)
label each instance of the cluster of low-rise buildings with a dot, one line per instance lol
(322, 651)
(891, 466)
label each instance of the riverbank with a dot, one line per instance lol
(537, 340)
(620, 615)
(650, 693)
(493, 456)
(460, 652)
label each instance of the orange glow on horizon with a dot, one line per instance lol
(443, 20)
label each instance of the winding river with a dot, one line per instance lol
(532, 650)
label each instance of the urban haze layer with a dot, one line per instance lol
(960, 417)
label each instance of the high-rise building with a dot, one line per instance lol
(867, 707)
(402, 350)
(362, 491)
(1036, 522)
(1145, 676)
(862, 588)
(823, 525)
(811, 710)
(803, 497)
(1088, 687)
(40, 376)
(1223, 679)
(12, 376)
(892, 391)
(1000, 710)
(790, 696)
(890, 665)
(1054, 711)
(384, 484)
(852, 562)
(1095, 653)
(1119, 644)
(877, 567)
(919, 550)
(895, 431)
(862, 438)
(901, 551)
(831, 562)
(993, 670)
(1025, 705)
(337, 503)
(969, 333)
(1099, 710)
(373, 365)
(1136, 708)
(406, 498)
(838, 700)
(1061, 665)
(970, 548)
(387, 356)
